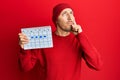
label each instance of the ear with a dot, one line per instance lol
(56, 22)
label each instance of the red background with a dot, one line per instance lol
(98, 18)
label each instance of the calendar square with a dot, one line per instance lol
(39, 37)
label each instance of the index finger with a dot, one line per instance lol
(21, 34)
(74, 23)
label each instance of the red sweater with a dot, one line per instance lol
(63, 61)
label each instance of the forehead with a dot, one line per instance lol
(67, 10)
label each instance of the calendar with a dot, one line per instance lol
(39, 37)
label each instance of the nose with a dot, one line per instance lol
(69, 17)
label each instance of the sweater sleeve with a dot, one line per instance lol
(89, 52)
(28, 58)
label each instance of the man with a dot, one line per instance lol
(63, 61)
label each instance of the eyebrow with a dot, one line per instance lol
(66, 12)
(71, 11)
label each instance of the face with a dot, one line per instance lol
(65, 20)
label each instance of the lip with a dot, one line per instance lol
(70, 22)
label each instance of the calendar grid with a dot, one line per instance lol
(39, 37)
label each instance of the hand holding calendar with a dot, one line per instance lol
(23, 40)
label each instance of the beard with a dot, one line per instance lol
(67, 28)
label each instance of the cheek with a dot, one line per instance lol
(73, 18)
(62, 20)
(62, 23)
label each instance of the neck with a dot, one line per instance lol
(61, 32)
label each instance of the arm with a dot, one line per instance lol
(28, 58)
(89, 52)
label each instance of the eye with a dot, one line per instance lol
(71, 12)
(64, 13)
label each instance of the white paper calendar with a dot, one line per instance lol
(39, 37)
